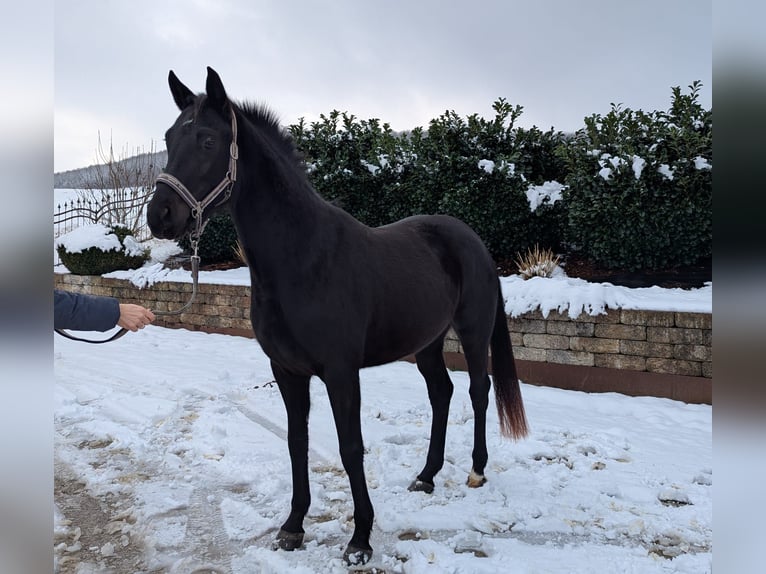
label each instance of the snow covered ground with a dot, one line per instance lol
(170, 456)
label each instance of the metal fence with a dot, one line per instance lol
(124, 207)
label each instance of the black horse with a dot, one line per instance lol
(331, 295)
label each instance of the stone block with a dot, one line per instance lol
(647, 318)
(610, 331)
(569, 357)
(658, 334)
(193, 318)
(546, 341)
(526, 325)
(693, 352)
(707, 369)
(570, 328)
(594, 345)
(674, 367)
(620, 362)
(233, 312)
(680, 335)
(528, 354)
(220, 300)
(694, 320)
(646, 349)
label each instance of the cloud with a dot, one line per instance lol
(403, 62)
(84, 137)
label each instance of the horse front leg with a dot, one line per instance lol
(345, 399)
(295, 394)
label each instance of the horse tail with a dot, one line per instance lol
(510, 407)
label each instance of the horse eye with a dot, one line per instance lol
(208, 143)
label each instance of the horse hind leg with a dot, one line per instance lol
(431, 365)
(475, 349)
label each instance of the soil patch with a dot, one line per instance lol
(97, 531)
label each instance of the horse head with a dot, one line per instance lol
(202, 160)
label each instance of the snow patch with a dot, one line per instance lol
(538, 194)
(666, 171)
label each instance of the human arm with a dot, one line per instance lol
(84, 312)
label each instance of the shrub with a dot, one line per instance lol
(115, 248)
(218, 243)
(356, 164)
(480, 170)
(640, 189)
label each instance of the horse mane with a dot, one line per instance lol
(267, 121)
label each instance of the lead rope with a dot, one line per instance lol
(194, 272)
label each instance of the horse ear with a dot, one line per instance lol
(182, 95)
(216, 95)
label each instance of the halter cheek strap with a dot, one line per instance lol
(225, 186)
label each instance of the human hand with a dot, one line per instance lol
(134, 317)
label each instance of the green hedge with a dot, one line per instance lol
(218, 243)
(640, 193)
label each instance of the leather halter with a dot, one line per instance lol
(225, 187)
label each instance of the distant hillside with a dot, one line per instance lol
(133, 171)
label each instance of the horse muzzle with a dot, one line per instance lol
(167, 216)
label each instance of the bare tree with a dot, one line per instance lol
(121, 184)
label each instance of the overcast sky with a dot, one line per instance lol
(402, 61)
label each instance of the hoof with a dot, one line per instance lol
(355, 556)
(421, 486)
(288, 540)
(476, 480)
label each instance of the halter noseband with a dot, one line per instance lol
(225, 187)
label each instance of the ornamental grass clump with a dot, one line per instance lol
(537, 262)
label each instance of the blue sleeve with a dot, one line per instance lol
(84, 312)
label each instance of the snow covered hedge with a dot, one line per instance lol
(97, 249)
(639, 185)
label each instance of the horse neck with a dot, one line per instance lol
(276, 211)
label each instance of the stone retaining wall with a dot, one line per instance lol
(659, 353)
(216, 308)
(654, 341)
